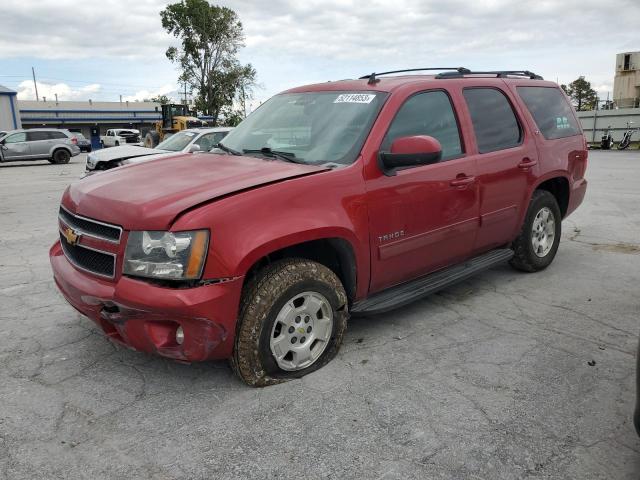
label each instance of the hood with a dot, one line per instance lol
(153, 156)
(123, 152)
(149, 195)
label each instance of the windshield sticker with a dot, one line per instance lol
(355, 98)
(189, 134)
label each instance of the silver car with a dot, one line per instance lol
(187, 141)
(57, 146)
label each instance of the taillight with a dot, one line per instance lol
(74, 140)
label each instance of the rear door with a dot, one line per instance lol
(506, 158)
(39, 143)
(16, 147)
(425, 217)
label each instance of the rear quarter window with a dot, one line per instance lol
(550, 110)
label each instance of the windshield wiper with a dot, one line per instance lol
(286, 156)
(224, 148)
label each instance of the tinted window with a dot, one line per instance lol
(35, 136)
(550, 110)
(428, 113)
(16, 137)
(56, 135)
(493, 119)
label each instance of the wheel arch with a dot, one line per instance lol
(335, 252)
(557, 184)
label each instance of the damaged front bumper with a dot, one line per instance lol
(145, 317)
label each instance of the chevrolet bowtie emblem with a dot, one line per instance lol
(71, 236)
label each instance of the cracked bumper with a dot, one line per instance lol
(144, 317)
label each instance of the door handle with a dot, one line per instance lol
(527, 163)
(462, 181)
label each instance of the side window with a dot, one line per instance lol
(16, 138)
(550, 110)
(56, 135)
(493, 119)
(206, 142)
(35, 136)
(428, 113)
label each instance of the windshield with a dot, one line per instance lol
(313, 127)
(177, 142)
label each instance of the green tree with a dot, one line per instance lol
(581, 94)
(210, 38)
(161, 99)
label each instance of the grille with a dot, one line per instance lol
(95, 262)
(91, 227)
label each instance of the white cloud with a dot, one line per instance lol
(147, 94)
(26, 91)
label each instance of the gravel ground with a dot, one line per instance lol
(508, 375)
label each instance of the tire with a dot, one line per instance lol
(151, 139)
(276, 289)
(60, 156)
(525, 257)
(117, 144)
(102, 144)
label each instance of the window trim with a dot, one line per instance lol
(463, 152)
(523, 131)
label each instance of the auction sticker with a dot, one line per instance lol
(355, 98)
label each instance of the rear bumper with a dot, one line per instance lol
(576, 195)
(145, 317)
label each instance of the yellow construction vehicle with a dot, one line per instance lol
(175, 117)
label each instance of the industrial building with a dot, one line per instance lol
(92, 119)
(9, 115)
(626, 83)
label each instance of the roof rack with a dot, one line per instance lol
(454, 70)
(497, 73)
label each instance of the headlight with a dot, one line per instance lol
(91, 162)
(167, 255)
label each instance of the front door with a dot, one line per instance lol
(423, 218)
(16, 147)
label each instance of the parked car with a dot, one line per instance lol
(192, 140)
(83, 143)
(347, 197)
(57, 146)
(120, 136)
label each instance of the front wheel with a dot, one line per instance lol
(538, 241)
(292, 319)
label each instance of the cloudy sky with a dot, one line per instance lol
(100, 50)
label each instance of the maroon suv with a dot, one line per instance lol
(333, 199)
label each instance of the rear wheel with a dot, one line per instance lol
(117, 143)
(537, 244)
(292, 320)
(60, 156)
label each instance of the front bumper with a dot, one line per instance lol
(144, 316)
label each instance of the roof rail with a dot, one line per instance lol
(497, 73)
(455, 70)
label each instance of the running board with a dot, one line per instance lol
(408, 292)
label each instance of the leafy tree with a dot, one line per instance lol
(210, 38)
(581, 94)
(161, 99)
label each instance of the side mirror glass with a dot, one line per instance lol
(410, 152)
(194, 147)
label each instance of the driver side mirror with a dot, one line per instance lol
(194, 147)
(410, 152)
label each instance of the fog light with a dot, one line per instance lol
(179, 335)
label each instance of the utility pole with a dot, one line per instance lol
(35, 85)
(120, 98)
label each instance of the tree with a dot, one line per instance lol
(161, 99)
(582, 95)
(210, 38)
